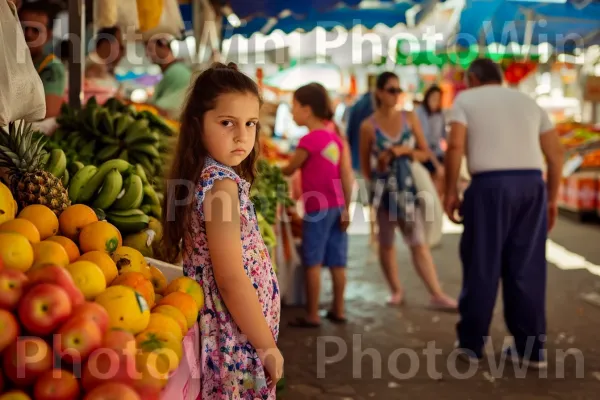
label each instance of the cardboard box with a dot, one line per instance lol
(582, 192)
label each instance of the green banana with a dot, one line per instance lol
(146, 208)
(139, 170)
(88, 148)
(112, 186)
(150, 196)
(108, 152)
(106, 123)
(57, 164)
(128, 224)
(108, 139)
(80, 179)
(121, 124)
(124, 155)
(65, 178)
(74, 141)
(148, 149)
(156, 211)
(134, 194)
(142, 136)
(75, 166)
(145, 162)
(92, 186)
(127, 213)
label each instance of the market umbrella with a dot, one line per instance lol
(292, 78)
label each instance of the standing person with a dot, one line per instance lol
(170, 92)
(38, 22)
(222, 246)
(433, 125)
(100, 63)
(326, 173)
(507, 210)
(388, 139)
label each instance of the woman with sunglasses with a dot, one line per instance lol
(390, 140)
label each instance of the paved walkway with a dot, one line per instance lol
(379, 354)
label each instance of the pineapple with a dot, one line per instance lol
(24, 158)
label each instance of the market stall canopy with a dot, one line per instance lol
(292, 78)
(367, 14)
(564, 24)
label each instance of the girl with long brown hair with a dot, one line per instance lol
(209, 217)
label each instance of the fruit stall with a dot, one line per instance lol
(579, 191)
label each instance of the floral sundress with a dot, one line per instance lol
(230, 366)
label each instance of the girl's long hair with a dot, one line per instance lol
(190, 154)
(316, 97)
(432, 89)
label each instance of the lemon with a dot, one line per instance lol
(102, 260)
(129, 259)
(189, 286)
(174, 314)
(8, 206)
(126, 308)
(16, 251)
(162, 344)
(163, 323)
(88, 278)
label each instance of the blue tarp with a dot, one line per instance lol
(386, 13)
(272, 8)
(564, 25)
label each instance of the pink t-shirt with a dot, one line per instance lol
(321, 177)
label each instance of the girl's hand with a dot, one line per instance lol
(384, 159)
(345, 220)
(400, 151)
(272, 361)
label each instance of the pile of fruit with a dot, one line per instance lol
(96, 134)
(82, 316)
(269, 190)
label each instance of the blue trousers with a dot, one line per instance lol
(504, 238)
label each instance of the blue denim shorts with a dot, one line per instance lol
(323, 242)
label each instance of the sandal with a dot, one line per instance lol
(304, 323)
(335, 319)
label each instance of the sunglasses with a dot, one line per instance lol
(393, 90)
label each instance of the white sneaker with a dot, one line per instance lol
(531, 364)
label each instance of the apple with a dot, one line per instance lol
(112, 391)
(122, 341)
(14, 395)
(12, 284)
(44, 308)
(9, 329)
(26, 359)
(56, 384)
(106, 365)
(1, 382)
(77, 339)
(94, 311)
(58, 276)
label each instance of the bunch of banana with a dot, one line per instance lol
(57, 166)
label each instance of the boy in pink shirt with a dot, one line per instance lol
(326, 174)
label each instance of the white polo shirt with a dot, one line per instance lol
(503, 128)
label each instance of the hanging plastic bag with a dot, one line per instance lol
(127, 15)
(21, 89)
(171, 21)
(106, 13)
(149, 13)
(431, 209)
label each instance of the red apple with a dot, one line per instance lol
(94, 311)
(44, 308)
(1, 264)
(106, 365)
(12, 283)
(26, 359)
(77, 339)
(9, 329)
(122, 341)
(58, 276)
(1, 382)
(56, 384)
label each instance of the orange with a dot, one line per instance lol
(68, 245)
(162, 323)
(189, 286)
(16, 251)
(23, 227)
(164, 345)
(158, 280)
(154, 372)
(173, 313)
(185, 303)
(112, 390)
(88, 278)
(74, 219)
(48, 252)
(14, 395)
(127, 309)
(102, 260)
(129, 259)
(139, 283)
(101, 236)
(43, 218)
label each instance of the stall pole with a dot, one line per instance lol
(77, 35)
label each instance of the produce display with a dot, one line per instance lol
(81, 315)
(269, 190)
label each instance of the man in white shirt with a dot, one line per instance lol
(507, 210)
